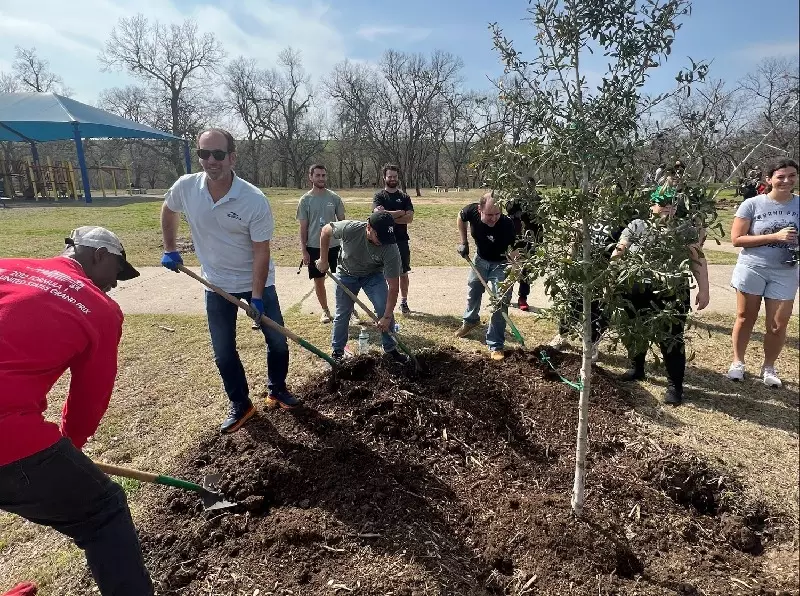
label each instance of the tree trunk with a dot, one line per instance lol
(582, 442)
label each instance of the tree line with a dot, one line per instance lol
(410, 109)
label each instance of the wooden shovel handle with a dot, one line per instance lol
(127, 472)
(264, 318)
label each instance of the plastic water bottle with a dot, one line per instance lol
(396, 327)
(363, 341)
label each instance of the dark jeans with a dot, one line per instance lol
(599, 320)
(60, 487)
(222, 326)
(644, 299)
(374, 286)
(524, 290)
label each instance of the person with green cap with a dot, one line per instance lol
(648, 295)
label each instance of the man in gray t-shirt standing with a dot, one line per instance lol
(368, 260)
(318, 207)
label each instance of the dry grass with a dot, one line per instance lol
(750, 429)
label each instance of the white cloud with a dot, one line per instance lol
(71, 35)
(374, 32)
(758, 51)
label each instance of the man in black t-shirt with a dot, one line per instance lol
(523, 214)
(394, 201)
(494, 235)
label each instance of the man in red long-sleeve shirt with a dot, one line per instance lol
(55, 315)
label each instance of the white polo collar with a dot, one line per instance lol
(231, 195)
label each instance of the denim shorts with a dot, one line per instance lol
(769, 282)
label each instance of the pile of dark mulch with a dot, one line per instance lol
(454, 481)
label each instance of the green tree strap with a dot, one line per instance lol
(546, 359)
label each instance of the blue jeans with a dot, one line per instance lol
(377, 291)
(491, 271)
(222, 326)
(61, 488)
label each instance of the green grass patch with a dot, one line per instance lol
(33, 230)
(720, 257)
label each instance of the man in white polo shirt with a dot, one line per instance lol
(232, 225)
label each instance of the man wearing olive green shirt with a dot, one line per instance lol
(368, 260)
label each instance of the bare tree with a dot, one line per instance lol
(707, 123)
(775, 88)
(34, 74)
(399, 105)
(173, 57)
(140, 104)
(241, 94)
(8, 83)
(463, 119)
(298, 137)
(134, 102)
(277, 104)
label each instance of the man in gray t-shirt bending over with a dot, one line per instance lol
(368, 260)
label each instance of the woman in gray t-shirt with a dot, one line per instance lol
(765, 227)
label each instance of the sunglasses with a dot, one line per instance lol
(218, 154)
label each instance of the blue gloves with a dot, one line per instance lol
(171, 260)
(257, 304)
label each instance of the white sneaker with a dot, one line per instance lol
(736, 371)
(326, 317)
(770, 376)
(559, 342)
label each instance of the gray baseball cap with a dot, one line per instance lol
(97, 237)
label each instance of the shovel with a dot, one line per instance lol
(208, 493)
(264, 319)
(372, 316)
(514, 331)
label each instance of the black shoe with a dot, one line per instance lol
(338, 356)
(238, 414)
(673, 396)
(282, 398)
(404, 308)
(632, 374)
(398, 357)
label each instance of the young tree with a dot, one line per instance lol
(594, 135)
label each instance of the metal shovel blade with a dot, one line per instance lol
(212, 499)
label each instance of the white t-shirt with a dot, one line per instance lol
(223, 232)
(768, 216)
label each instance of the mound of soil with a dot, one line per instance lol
(453, 481)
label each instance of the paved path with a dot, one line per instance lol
(434, 290)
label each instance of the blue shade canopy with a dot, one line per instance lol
(39, 117)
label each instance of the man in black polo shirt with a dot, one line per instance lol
(394, 201)
(494, 235)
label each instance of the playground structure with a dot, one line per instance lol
(28, 179)
(40, 117)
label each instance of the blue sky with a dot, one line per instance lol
(736, 34)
